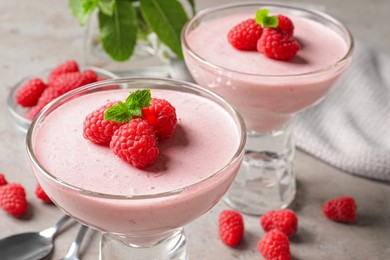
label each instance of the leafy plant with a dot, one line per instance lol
(122, 22)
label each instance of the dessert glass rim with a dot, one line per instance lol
(126, 80)
(323, 15)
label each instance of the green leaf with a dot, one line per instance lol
(118, 113)
(138, 100)
(263, 19)
(82, 9)
(166, 18)
(125, 111)
(106, 6)
(118, 32)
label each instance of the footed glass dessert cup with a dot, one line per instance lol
(140, 212)
(268, 93)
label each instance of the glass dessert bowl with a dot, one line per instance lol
(19, 113)
(140, 212)
(267, 92)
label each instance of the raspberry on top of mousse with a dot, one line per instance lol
(272, 36)
(132, 128)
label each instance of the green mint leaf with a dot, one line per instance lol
(106, 6)
(263, 19)
(123, 112)
(118, 113)
(138, 100)
(166, 18)
(118, 32)
(82, 9)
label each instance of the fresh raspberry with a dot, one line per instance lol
(29, 93)
(276, 44)
(135, 143)
(66, 67)
(244, 36)
(41, 194)
(283, 220)
(47, 96)
(3, 181)
(341, 209)
(231, 227)
(97, 129)
(90, 76)
(274, 246)
(69, 81)
(161, 115)
(13, 199)
(286, 24)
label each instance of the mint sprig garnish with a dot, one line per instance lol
(122, 21)
(123, 112)
(265, 20)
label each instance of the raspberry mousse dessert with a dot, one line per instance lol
(130, 161)
(271, 61)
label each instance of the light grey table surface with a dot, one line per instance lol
(35, 35)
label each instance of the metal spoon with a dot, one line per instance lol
(31, 245)
(74, 248)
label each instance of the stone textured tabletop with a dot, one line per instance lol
(35, 35)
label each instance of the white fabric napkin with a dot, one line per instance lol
(350, 128)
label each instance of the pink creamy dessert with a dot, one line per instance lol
(266, 91)
(205, 141)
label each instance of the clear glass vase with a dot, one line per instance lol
(150, 57)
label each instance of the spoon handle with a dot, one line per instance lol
(74, 248)
(50, 232)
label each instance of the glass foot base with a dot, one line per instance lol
(167, 246)
(266, 179)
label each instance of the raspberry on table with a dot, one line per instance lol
(244, 36)
(3, 181)
(161, 115)
(29, 93)
(98, 130)
(41, 194)
(135, 142)
(276, 44)
(13, 199)
(274, 245)
(284, 220)
(231, 227)
(342, 209)
(285, 24)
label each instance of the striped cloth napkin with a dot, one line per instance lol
(350, 128)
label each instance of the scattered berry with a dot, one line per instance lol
(341, 209)
(275, 246)
(231, 227)
(13, 199)
(135, 143)
(3, 181)
(285, 24)
(244, 36)
(66, 67)
(41, 194)
(97, 129)
(161, 115)
(276, 44)
(283, 220)
(29, 93)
